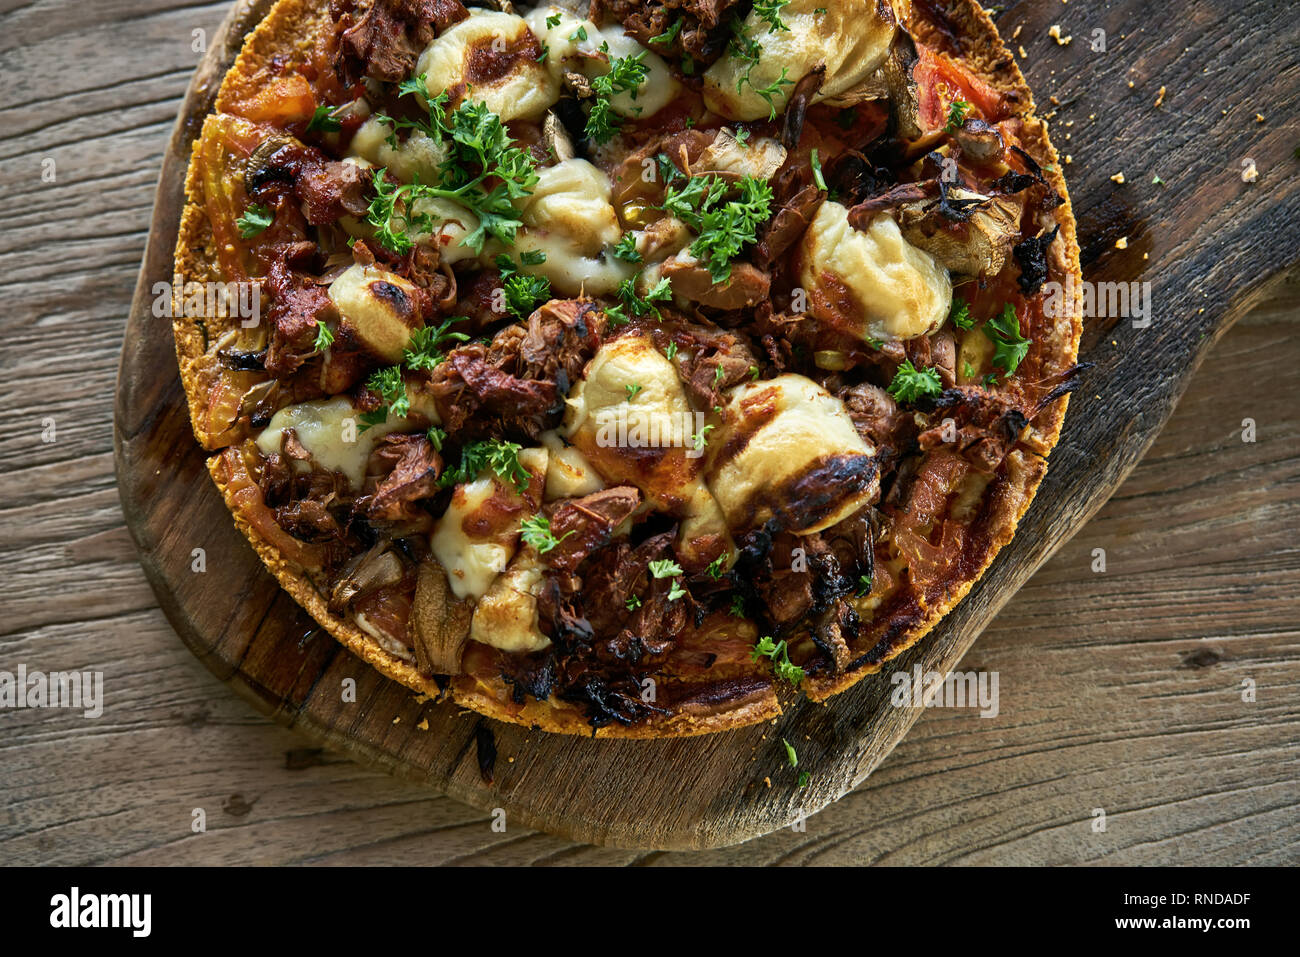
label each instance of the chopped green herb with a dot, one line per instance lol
(1009, 347)
(536, 531)
(818, 178)
(255, 219)
(626, 74)
(864, 586)
(524, 293)
(959, 314)
(723, 227)
(626, 249)
(779, 652)
(579, 35)
(424, 350)
(665, 568)
(956, 115)
(911, 383)
(391, 387)
(632, 603)
(701, 438)
(769, 11)
(668, 36)
(716, 566)
(324, 338)
(632, 389)
(501, 457)
(790, 756)
(676, 590)
(324, 121)
(436, 437)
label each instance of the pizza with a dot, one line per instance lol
(627, 369)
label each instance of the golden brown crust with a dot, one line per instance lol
(290, 29)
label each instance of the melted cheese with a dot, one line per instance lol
(590, 56)
(506, 616)
(378, 309)
(477, 536)
(646, 440)
(568, 473)
(417, 156)
(487, 43)
(849, 36)
(328, 429)
(774, 433)
(452, 223)
(570, 219)
(893, 290)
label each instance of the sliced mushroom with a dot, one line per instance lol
(439, 622)
(977, 246)
(556, 138)
(904, 98)
(758, 157)
(365, 573)
(268, 164)
(979, 141)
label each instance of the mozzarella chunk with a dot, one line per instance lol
(570, 52)
(645, 439)
(506, 616)
(570, 219)
(491, 57)
(788, 449)
(477, 536)
(568, 473)
(849, 36)
(871, 283)
(641, 439)
(416, 157)
(377, 309)
(452, 224)
(327, 428)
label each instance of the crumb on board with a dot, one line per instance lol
(424, 724)
(767, 781)
(397, 720)
(1118, 178)
(1259, 117)
(1121, 243)
(1016, 33)
(1068, 159)
(1160, 97)
(1055, 33)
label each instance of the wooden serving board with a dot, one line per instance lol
(1204, 238)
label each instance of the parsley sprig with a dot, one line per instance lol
(779, 652)
(481, 152)
(1009, 347)
(536, 531)
(498, 455)
(424, 349)
(723, 227)
(626, 74)
(910, 383)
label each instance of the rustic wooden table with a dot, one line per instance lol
(1121, 690)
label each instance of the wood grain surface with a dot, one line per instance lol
(1120, 690)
